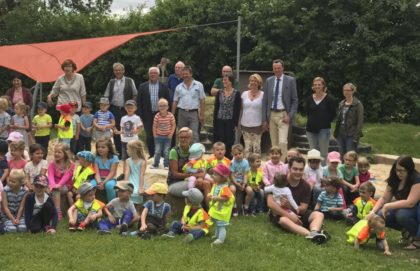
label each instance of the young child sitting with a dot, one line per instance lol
(156, 212)
(221, 202)
(40, 213)
(362, 205)
(4, 166)
(279, 190)
(42, 124)
(218, 156)
(12, 201)
(65, 124)
(365, 229)
(85, 171)
(103, 120)
(330, 202)
(120, 211)
(37, 165)
(363, 166)
(195, 221)
(239, 172)
(86, 211)
(254, 188)
(331, 170)
(273, 166)
(17, 149)
(313, 173)
(196, 164)
(350, 181)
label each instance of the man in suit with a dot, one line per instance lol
(119, 90)
(280, 103)
(147, 102)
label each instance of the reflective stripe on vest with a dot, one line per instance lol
(80, 176)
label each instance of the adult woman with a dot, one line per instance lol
(403, 213)
(227, 108)
(69, 87)
(320, 110)
(251, 115)
(17, 93)
(348, 128)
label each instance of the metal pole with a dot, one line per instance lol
(238, 48)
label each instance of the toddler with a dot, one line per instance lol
(120, 211)
(104, 120)
(37, 165)
(273, 166)
(196, 164)
(365, 229)
(12, 201)
(20, 121)
(218, 156)
(86, 127)
(156, 212)
(330, 202)
(86, 211)
(17, 149)
(4, 119)
(350, 181)
(42, 124)
(239, 172)
(279, 190)
(76, 128)
(40, 213)
(363, 166)
(362, 205)
(65, 124)
(85, 171)
(195, 221)
(254, 188)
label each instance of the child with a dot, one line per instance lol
(134, 170)
(195, 221)
(363, 166)
(85, 171)
(16, 150)
(86, 126)
(76, 127)
(131, 126)
(13, 202)
(4, 119)
(331, 170)
(292, 152)
(254, 185)
(37, 165)
(313, 173)
(196, 164)
(156, 212)
(104, 120)
(350, 181)
(362, 205)
(14, 137)
(42, 124)
(40, 213)
(60, 174)
(120, 211)
(163, 129)
(279, 190)
(362, 231)
(221, 202)
(4, 165)
(218, 156)
(86, 211)
(330, 202)
(239, 172)
(273, 166)
(106, 163)
(20, 121)
(65, 124)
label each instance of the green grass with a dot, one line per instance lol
(252, 244)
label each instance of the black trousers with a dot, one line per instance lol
(148, 127)
(43, 141)
(85, 143)
(118, 112)
(42, 219)
(224, 131)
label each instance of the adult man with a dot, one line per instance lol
(175, 79)
(218, 84)
(118, 91)
(189, 100)
(280, 103)
(306, 222)
(147, 101)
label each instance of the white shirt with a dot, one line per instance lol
(279, 192)
(252, 110)
(128, 124)
(280, 104)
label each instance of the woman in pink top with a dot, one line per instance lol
(273, 166)
(60, 176)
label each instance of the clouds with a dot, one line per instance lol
(121, 6)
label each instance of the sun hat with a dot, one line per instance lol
(193, 195)
(222, 170)
(126, 186)
(157, 188)
(314, 155)
(41, 180)
(66, 108)
(87, 155)
(334, 157)
(15, 136)
(196, 150)
(85, 188)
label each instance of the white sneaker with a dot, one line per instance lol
(154, 167)
(166, 168)
(217, 242)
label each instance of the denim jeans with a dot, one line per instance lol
(176, 228)
(105, 224)
(162, 143)
(405, 218)
(320, 141)
(346, 144)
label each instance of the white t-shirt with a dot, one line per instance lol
(251, 110)
(31, 170)
(128, 124)
(279, 192)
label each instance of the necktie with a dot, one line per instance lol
(276, 94)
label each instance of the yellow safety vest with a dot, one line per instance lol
(363, 209)
(68, 134)
(221, 210)
(96, 206)
(255, 178)
(199, 216)
(80, 176)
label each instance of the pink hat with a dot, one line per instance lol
(222, 170)
(15, 136)
(334, 157)
(66, 108)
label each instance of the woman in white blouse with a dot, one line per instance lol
(251, 115)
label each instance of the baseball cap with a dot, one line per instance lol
(66, 108)
(334, 157)
(126, 186)
(87, 155)
(85, 188)
(104, 100)
(43, 105)
(41, 180)
(15, 136)
(222, 170)
(196, 150)
(87, 104)
(193, 195)
(131, 102)
(157, 188)
(314, 155)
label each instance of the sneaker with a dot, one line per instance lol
(146, 236)
(166, 168)
(214, 237)
(123, 229)
(317, 237)
(217, 242)
(235, 212)
(82, 226)
(72, 227)
(189, 238)
(324, 232)
(154, 167)
(104, 232)
(121, 177)
(169, 234)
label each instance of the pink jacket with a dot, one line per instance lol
(270, 170)
(56, 177)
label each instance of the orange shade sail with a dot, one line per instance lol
(42, 61)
